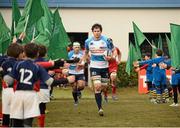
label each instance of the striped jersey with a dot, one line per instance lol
(98, 49)
(73, 67)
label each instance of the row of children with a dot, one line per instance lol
(156, 78)
(26, 83)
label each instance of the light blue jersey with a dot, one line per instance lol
(98, 49)
(73, 67)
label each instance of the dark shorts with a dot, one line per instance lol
(103, 72)
(175, 79)
(78, 77)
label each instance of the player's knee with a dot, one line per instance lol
(96, 80)
(81, 87)
(74, 86)
(65, 71)
(113, 75)
(97, 83)
(104, 88)
(81, 83)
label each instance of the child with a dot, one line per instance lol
(14, 53)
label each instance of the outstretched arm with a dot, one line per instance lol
(51, 65)
(55, 82)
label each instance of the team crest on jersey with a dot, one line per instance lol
(91, 43)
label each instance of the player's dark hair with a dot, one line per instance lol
(159, 52)
(96, 26)
(31, 50)
(148, 54)
(14, 50)
(42, 50)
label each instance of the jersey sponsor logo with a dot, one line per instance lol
(97, 51)
(92, 47)
(103, 44)
(103, 47)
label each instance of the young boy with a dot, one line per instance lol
(176, 86)
(149, 76)
(44, 93)
(14, 53)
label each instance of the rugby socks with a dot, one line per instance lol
(175, 94)
(98, 98)
(113, 90)
(150, 93)
(79, 92)
(159, 98)
(105, 93)
(6, 120)
(28, 122)
(159, 93)
(74, 93)
(154, 92)
(17, 123)
(165, 94)
(41, 120)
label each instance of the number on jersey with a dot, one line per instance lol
(25, 79)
